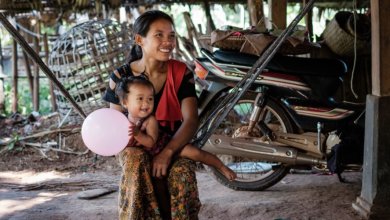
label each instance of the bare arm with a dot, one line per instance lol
(148, 137)
(112, 85)
(188, 127)
(182, 136)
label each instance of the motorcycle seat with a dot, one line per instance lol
(287, 64)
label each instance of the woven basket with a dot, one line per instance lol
(83, 58)
(340, 40)
(236, 42)
(20, 5)
(230, 43)
(205, 40)
(303, 48)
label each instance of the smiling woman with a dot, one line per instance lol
(154, 187)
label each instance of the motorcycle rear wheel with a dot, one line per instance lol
(252, 174)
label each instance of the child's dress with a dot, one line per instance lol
(162, 140)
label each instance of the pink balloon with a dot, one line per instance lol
(105, 131)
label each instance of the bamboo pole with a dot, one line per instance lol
(14, 107)
(27, 66)
(28, 73)
(16, 35)
(2, 94)
(36, 70)
(52, 96)
(309, 21)
(2, 105)
(193, 35)
(28, 70)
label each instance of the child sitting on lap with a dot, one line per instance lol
(136, 94)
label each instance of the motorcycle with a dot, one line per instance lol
(287, 118)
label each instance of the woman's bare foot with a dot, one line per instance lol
(228, 173)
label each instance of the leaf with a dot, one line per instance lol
(12, 144)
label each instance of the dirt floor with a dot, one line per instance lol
(52, 193)
(37, 182)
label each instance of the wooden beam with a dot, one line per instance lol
(256, 11)
(278, 13)
(380, 32)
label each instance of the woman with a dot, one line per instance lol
(165, 187)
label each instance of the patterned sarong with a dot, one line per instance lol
(137, 199)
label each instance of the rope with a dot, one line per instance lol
(354, 51)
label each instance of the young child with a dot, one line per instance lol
(136, 94)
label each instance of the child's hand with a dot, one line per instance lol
(133, 131)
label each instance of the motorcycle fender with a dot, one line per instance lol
(208, 95)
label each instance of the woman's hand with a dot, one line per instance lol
(161, 163)
(182, 136)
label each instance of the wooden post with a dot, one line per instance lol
(52, 96)
(373, 202)
(28, 73)
(191, 36)
(210, 23)
(14, 107)
(2, 95)
(278, 13)
(28, 68)
(309, 21)
(256, 11)
(36, 72)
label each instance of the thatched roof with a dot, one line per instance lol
(18, 6)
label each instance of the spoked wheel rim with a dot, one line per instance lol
(252, 174)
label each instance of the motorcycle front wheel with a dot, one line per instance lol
(252, 174)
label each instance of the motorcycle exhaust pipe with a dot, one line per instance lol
(219, 144)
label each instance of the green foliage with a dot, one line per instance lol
(5, 37)
(25, 105)
(11, 145)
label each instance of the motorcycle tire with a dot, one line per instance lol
(261, 174)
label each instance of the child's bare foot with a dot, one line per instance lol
(228, 173)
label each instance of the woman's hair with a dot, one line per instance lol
(123, 88)
(141, 26)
